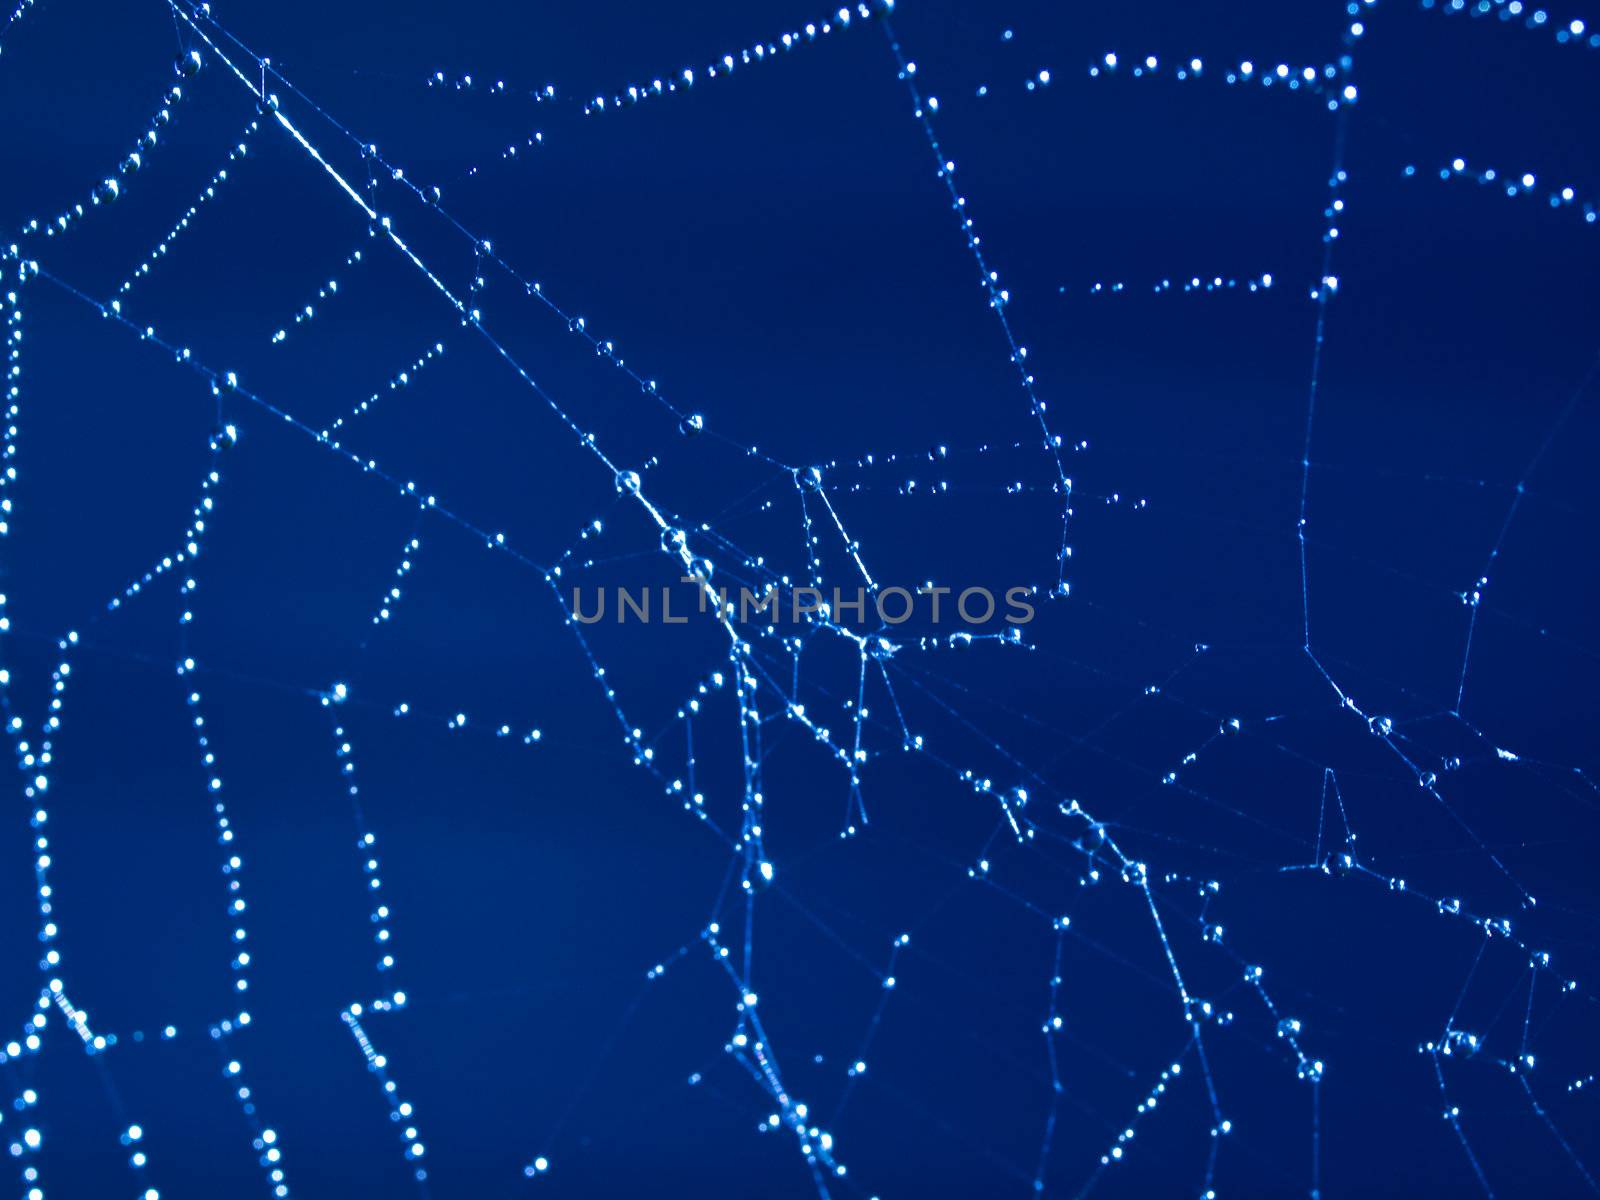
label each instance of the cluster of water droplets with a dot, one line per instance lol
(328, 290)
(1194, 285)
(1573, 32)
(1319, 80)
(721, 68)
(207, 193)
(109, 190)
(1513, 185)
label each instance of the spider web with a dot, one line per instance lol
(1259, 862)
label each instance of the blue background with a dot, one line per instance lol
(776, 250)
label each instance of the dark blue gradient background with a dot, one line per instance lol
(776, 250)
